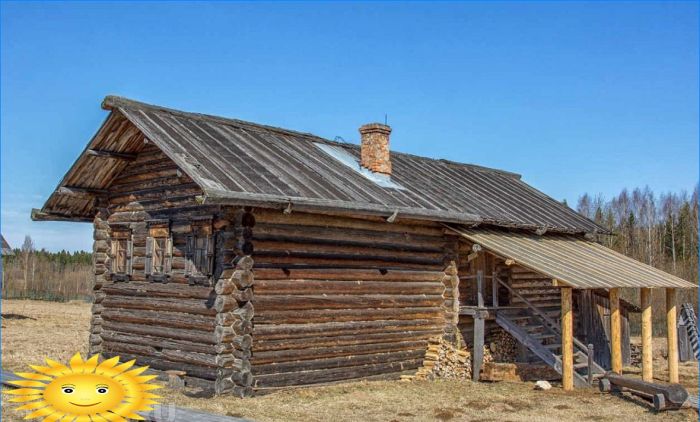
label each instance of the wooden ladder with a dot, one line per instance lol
(690, 321)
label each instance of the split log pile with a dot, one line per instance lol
(443, 360)
(503, 347)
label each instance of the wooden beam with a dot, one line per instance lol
(478, 355)
(647, 356)
(111, 154)
(78, 192)
(615, 331)
(480, 289)
(567, 339)
(671, 335)
(39, 215)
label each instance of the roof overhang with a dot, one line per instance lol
(572, 261)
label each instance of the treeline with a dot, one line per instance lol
(659, 230)
(38, 274)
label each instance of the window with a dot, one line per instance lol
(121, 254)
(200, 252)
(159, 252)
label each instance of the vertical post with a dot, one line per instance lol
(480, 289)
(478, 355)
(671, 335)
(647, 357)
(590, 364)
(567, 339)
(615, 331)
(494, 289)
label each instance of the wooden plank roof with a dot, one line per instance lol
(237, 162)
(571, 260)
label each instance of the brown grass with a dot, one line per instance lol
(58, 330)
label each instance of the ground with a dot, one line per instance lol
(32, 330)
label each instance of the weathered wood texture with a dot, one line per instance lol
(340, 298)
(200, 326)
(593, 321)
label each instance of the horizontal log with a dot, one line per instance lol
(334, 374)
(190, 306)
(301, 245)
(264, 303)
(161, 319)
(329, 352)
(281, 331)
(205, 337)
(286, 286)
(169, 290)
(341, 260)
(334, 341)
(339, 362)
(333, 221)
(347, 274)
(161, 342)
(207, 373)
(338, 315)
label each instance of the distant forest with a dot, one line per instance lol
(660, 230)
(38, 274)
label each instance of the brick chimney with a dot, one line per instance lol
(375, 148)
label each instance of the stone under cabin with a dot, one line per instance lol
(253, 258)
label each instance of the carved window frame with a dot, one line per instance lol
(200, 251)
(122, 251)
(159, 251)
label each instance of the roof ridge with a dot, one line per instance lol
(115, 101)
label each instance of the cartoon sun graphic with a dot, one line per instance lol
(85, 391)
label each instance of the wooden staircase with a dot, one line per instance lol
(538, 329)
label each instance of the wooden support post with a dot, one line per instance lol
(671, 335)
(647, 357)
(615, 331)
(567, 339)
(478, 355)
(480, 289)
(494, 289)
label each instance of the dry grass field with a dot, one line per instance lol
(32, 330)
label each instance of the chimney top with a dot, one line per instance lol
(374, 150)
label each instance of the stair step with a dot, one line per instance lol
(581, 365)
(541, 336)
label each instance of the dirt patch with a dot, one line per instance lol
(58, 330)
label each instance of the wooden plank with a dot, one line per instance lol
(647, 356)
(111, 154)
(567, 337)
(672, 340)
(615, 331)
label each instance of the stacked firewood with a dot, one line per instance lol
(502, 346)
(443, 360)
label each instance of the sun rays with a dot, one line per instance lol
(86, 390)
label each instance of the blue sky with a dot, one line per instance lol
(577, 97)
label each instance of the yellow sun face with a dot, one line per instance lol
(87, 390)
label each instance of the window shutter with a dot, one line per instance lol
(115, 246)
(168, 255)
(148, 269)
(210, 254)
(129, 255)
(189, 255)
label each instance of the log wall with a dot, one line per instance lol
(340, 298)
(201, 326)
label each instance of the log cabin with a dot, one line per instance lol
(254, 258)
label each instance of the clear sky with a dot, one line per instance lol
(577, 97)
